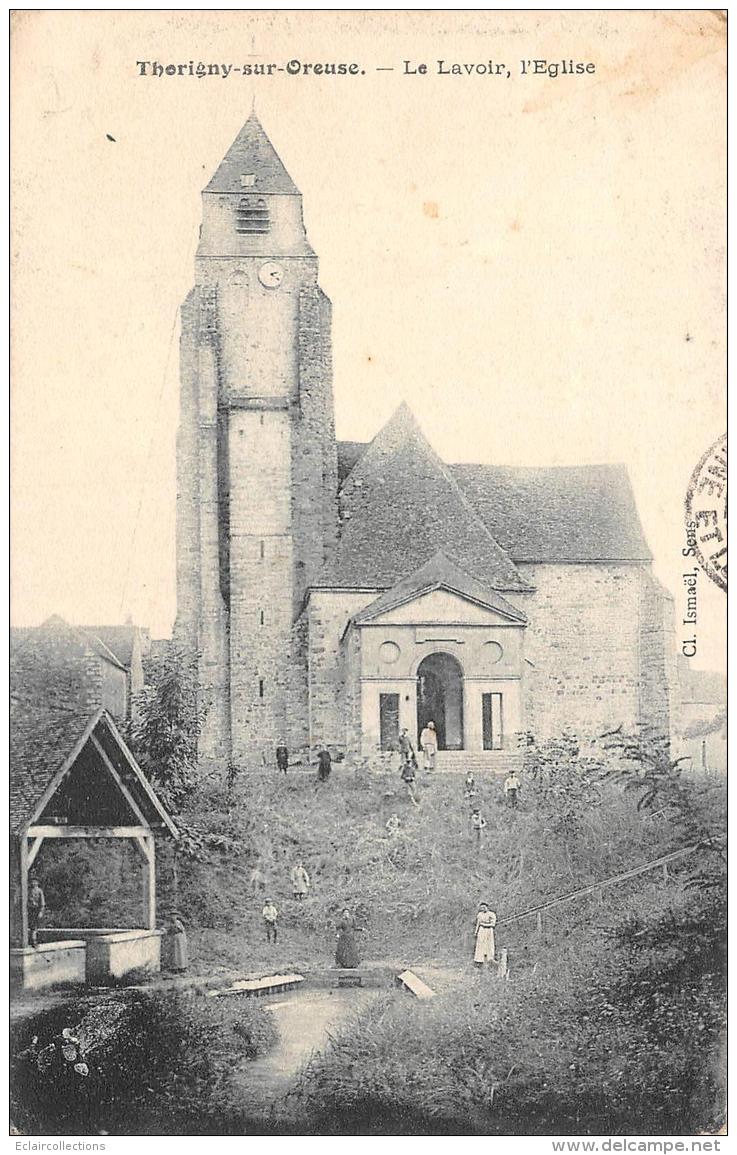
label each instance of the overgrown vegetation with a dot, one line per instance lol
(618, 1026)
(612, 1021)
(167, 725)
(136, 1063)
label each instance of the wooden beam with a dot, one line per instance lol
(23, 867)
(87, 831)
(148, 867)
(118, 780)
(33, 851)
(64, 769)
(136, 770)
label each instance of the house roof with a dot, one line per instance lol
(46, 742)
(252, 153)
(556, 514)
(66, 641)
(440, 572)
(399, 506)
(701, 687)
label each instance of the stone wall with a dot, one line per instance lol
(581, 648)
(188, 518)
(658, 657)
(328, 613)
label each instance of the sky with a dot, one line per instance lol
(534, 264)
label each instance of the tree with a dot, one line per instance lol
(167, 725)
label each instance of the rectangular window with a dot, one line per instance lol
(261, 617)
(491, 714)
(261, 549)
(260, 687)
(389, 721)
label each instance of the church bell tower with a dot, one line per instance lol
(256, 458)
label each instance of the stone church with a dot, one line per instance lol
(337, 591)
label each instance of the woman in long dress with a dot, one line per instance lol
(485, 946)
(346, 949)
(180, 954)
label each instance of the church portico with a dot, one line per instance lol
(439, 648)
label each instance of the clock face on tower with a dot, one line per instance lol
(271, 275)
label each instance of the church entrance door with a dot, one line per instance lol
(440, 699)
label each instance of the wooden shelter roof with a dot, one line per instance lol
(47, 742)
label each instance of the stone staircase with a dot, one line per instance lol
(479, 761)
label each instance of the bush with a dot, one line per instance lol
(157, 1063)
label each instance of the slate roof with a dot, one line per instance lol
(563, 513)
(66, 641)
(44, 739)
(440, 572)
(556, 514)
(42, 736)
(399, 507)
(252, 153)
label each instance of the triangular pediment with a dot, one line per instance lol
(440, 592)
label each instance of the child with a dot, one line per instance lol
(478, 824)
(393, 825)
(270, 915)
(408, 776)
(469, 787)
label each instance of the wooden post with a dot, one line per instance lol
(665, 872)
(148, 877)
(539, 922)
(503, 965)
(23, 868)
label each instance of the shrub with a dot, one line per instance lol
(157, 1062)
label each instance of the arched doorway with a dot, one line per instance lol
(440, 699)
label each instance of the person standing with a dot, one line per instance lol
(485, 950)
(478, 825)
(180, 954)
(429, 744)
(406, 749)
(469, 787)
(408, 776)
(282, 756)
(512, 787)
(257, 881)
(346, 949)
(300, 881)
(324, 765)
(36, 908)
(270, 915)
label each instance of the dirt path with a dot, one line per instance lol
(304, 1021)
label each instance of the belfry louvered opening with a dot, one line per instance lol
(252, 215)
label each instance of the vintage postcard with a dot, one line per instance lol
(369, 568)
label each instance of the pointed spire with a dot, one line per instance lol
(252, 155)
